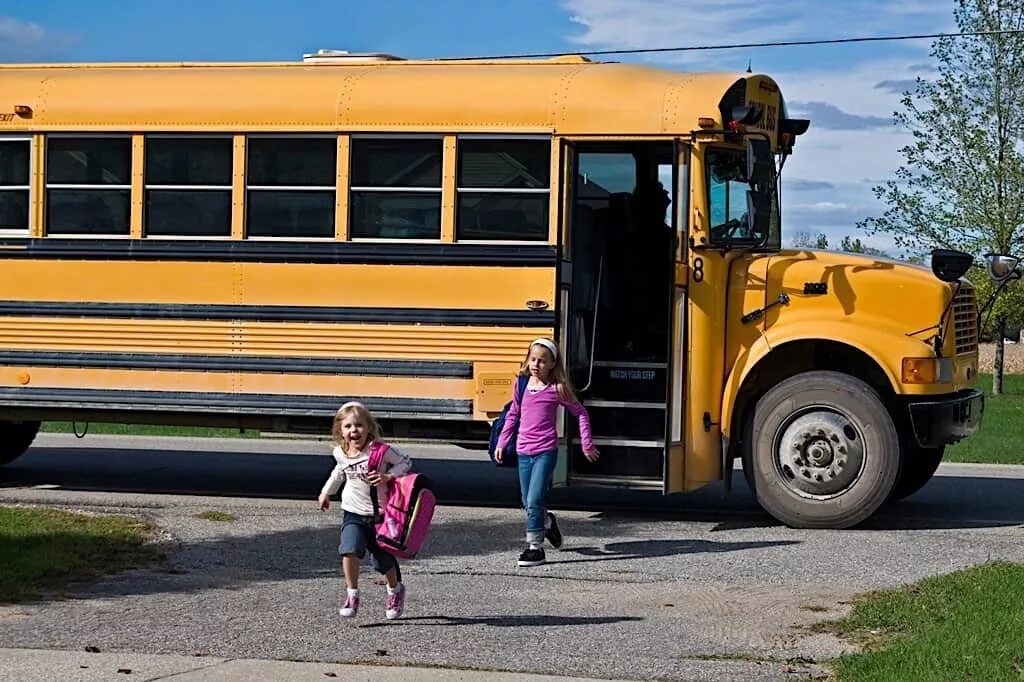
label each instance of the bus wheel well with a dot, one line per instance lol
(795, 358)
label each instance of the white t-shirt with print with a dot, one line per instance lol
(352, 470)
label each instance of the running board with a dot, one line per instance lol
(624, 442)
(618, 482)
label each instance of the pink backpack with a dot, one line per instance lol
(404, 518)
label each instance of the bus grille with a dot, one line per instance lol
(965, 320)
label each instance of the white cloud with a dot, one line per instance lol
(631, 24)
(22, 41)
(820, 207)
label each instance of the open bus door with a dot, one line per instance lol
(560, 476)
(623, 310)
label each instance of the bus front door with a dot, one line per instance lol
(623, 318)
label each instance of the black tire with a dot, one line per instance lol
(919, 465)
(15, 437)
(824, 451)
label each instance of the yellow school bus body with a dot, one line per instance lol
(486, 301)
(562, 97)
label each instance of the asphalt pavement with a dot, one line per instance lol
(695, 587)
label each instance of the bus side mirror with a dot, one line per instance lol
(949, 265)
(760, 166)
(1002, 267)
(759, 213)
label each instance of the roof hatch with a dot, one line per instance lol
(323, 56)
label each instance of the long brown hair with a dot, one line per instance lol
(360, 411)
(559, 377)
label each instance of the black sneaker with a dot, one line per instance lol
(532, 557)
(552, 534)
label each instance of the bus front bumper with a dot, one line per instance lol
(947, 420)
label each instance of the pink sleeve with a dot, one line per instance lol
(577, 410)
(511, 419)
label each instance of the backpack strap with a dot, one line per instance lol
(520, 389)
(377, 450)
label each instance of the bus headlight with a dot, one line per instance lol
(927, 371)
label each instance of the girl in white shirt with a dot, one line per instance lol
(353, 432)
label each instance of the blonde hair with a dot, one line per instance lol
(559, 377)
(361, 413)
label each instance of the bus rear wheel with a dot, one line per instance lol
(919, 465)
(824, 451)
(15, 437)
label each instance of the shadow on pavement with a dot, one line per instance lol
(645, 549)
(507, 621)
(946, 502)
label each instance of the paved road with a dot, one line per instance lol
(691, 588)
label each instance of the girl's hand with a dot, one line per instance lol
(591, 455)
(324, 502)
(498, 454)
(377, 478)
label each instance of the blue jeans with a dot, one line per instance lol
(535, 473)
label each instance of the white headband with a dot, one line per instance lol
(547, 344)
(352, 403)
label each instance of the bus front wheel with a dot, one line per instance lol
(823, 452)
(919, 465)
(15, 437)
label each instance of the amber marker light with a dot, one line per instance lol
(927, 370)
(23, 110)
(706, 122)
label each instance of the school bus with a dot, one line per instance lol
(252, 244)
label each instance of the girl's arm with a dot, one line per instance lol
(577, 410)
(397, 463)
(334, 481)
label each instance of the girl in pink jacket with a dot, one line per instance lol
(536, 416)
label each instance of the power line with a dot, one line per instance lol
(734, 46)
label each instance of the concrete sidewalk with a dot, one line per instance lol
(31, 665)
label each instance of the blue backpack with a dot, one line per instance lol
(509, 457)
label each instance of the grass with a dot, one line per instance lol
(43, 550)
(963, 626)
(149, 430)
(1001, 437)
(222, 517)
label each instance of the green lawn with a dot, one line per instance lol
(1001, 438)
(965, 626)
(42, 550)
(147, 430)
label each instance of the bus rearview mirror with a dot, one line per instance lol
(1002, 267)
(949, 265)
(760, 167)
(759, 212)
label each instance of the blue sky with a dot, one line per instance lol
(848, 91)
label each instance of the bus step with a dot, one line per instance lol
(631, 482)
(620, 457)
(625, 404)
(625, 442)
(633, 423)
(628, 383)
